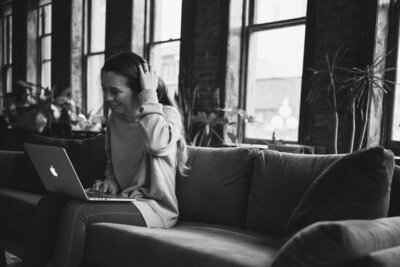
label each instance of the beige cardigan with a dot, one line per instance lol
(142, 158)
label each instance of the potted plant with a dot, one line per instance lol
(356, 87)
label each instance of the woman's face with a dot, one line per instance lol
(119, 97)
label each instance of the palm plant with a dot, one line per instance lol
(328, 80)
(361, 84)
(358, 85)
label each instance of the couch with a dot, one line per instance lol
(238, 207)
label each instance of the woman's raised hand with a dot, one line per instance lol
(148, 77)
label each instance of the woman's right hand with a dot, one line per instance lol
(106, 186)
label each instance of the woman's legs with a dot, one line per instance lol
(44, 228)
(75, 218)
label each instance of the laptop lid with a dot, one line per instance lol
(56, 170)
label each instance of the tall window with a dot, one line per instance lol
(164, 43)
(44, 43)
(94, 46)
(393, 60)
(274, 66)
(6, 21)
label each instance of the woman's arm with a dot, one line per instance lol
(109, 184)
(162, 125)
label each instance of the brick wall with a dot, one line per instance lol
(209, 52)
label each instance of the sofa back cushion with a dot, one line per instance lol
(394, 206)
(216, 189)
(279, 182)
(87, 156)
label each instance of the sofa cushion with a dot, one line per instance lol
(279, 181)
(356, 186)
(26, 178)
(187, 244)
(382, 258)
(341, 243)
(17, 209)
(87, 156)
(216, 190)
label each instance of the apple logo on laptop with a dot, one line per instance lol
(53, 171)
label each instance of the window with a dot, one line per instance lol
(94, 47)
(164, 45)
(393, 99)
(6, 24)
(274, 66)
(44, 43)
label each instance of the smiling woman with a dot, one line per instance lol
(145, 147)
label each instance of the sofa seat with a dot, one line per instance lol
(16, 212)
(187, 244)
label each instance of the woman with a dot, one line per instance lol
(145, 146)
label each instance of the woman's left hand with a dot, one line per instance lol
(148, 77)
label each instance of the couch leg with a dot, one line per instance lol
(3, 262)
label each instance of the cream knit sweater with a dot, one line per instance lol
(142, 158)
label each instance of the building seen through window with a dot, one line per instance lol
(94, 47)
(44, 43)
(164, 46)
(274, 68)
(6, 44)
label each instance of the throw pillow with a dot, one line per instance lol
(357, 186)
(87, 155)
(342, 243)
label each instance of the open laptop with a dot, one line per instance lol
(58, 174)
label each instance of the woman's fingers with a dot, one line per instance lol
(148, 77)
(145, 67)
(141, 71)
(97, 185)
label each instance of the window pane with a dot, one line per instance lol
(274, 82)
(47, 19)
(98, 26)
(94, 91)
(4, 44)
(396, 115)
(396, 106)
(9, 80)
(10, 40)
(273, 10)
(168, 22)
(46, 74)
(40, 21)
(165, 60)
(46, 48)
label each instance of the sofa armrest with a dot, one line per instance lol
(382, 258)
(9, 162)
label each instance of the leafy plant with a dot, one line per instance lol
(361, 84)
(32, 109)
(327, 79)
(358, 85)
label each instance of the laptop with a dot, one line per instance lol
(58, 174)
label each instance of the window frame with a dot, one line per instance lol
(87, 53)
(150, 25)
(250, 27)
(391, 62)
(41, 36)
(7, 64)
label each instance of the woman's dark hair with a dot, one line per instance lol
(126, 64)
